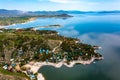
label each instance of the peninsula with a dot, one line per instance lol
(5, 21)
(26, 50)
(12, 17)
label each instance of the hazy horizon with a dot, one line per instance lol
(55, 5)
(58, 10)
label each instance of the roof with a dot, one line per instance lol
(32, 76)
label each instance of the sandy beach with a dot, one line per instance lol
(35, 66)
(40, 77)
(1, 27)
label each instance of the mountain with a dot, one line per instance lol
(8, 13)
(86, 12)
(109, 12)
(75, 12)
(17, 13)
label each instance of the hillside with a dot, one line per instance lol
(61, 13)
(18, 13)
(26, 44)
(21, 46)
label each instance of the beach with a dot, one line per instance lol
(35, 66)
(1, 27)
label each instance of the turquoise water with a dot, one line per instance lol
(102, 30)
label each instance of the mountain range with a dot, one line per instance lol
(16, 13)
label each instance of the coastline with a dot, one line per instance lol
(29, 20)
(2, 27)
(52, 56)
(35, 66)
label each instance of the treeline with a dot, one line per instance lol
(39, 45)
(13, 20)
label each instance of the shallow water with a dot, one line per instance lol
(102, 30)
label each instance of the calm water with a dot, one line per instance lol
(102, 30)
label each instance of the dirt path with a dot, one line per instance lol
(57, 46)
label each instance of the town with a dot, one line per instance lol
(18, 47)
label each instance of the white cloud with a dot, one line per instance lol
(41, 0)
(65, 1)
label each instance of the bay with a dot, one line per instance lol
(102, 30)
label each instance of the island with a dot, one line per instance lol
(27, 50)
(47, 26)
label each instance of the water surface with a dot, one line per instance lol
(102, 30)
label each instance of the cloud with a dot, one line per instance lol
(65, 1)
(69, 31)
(42, 0)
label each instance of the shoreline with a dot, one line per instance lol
(29, 20)
(35, 66)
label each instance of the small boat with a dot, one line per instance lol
(97, 47)
(94, 62)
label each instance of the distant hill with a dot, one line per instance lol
(17, 13)
(8, 13)
(109, 12)
(86, 12)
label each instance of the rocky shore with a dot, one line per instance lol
(35, 66)
(30, 49)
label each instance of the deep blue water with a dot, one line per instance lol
(102, 30)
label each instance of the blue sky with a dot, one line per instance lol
(53, 5)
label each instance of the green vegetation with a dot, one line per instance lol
(4, 21)
(17, 75)
(42, 46)
(14, 20)
(25, 45)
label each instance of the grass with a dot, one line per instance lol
(6, 72)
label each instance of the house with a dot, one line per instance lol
(41, 51)
(11, 60)
(1, 31)
(32, 76)
(29, 72)
(20, 52)
(86, 54)
(5, 67)
(13, 65)
(47, 51)
(46, 60)
(81, 53)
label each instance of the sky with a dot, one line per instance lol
(53, 5)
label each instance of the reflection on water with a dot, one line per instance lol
(99, 31)
(107, 69)
(102, 30)
(110, 44)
